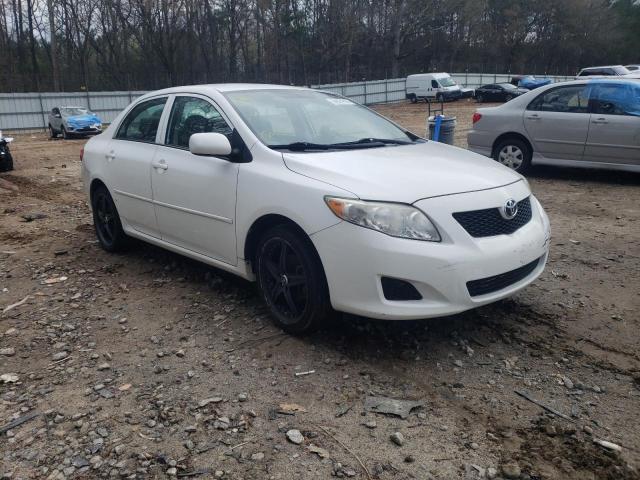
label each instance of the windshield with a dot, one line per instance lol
(71, 111)
(447, 82)
(508, 86)
(286, 116)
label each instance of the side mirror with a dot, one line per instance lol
(209, 144)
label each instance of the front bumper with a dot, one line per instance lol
(355, 259)
(84, 130)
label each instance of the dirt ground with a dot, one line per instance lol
(149, 365)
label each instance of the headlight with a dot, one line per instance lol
(395, 219)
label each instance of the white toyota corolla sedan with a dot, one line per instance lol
(326, 204)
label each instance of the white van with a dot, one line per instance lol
(438, 86)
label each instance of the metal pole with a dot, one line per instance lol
(44, 121)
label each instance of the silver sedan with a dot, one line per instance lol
(585, 123)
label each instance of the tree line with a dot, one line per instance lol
(71, 45)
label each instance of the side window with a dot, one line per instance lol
(193, 115)
(616, 100)
(573, 99)
(141, 124)
(435, 84)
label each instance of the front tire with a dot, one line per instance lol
(66, 135)
(479, 98)
(107, 221)
(291, 280)
(513, 153)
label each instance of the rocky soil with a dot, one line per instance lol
(149, 365)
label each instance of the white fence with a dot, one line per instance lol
(29, 111)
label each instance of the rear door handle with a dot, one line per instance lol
(110, 156)
(533, 117)
(161, 164)
(599, 121)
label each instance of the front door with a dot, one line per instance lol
(557, 122)
(195, 196)
(614, 132)
(128, 165)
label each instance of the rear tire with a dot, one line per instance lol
(107, 221)
(413, 99)
(52, 132)
(7, 164)
(479, 98)
(291, 280)
(513, 153)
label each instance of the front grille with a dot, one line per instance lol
(489, 222)
(503, 280)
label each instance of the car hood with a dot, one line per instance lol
(87, 118)
(404, 173)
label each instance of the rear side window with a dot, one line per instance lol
(141, 124)
(611, 99)
(571, 99)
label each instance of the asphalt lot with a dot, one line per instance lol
(146, 364)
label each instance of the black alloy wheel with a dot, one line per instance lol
(107, 221)
(291, 280)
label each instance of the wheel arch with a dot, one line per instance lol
(264, 223)
(95, 184)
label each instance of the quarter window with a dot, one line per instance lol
(611, 99)
(434, 84)
(193, 115)
(573, 99)
(141, 125)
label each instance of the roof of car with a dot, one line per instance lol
(224, 87)
(602, 66)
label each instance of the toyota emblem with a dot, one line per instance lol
(510, 209)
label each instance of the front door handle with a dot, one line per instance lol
(110, 156)
(600, 121)
(533, 117)
(161, 164)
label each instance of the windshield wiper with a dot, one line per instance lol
(362, 143)
(369, 140)
(301, 146)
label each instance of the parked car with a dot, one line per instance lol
(531, 83)
(607, 71)
(632, 68)
(6, 160)
(68, 121)
(498, 92)
(588, 123)
(432, 86)
(321, 201)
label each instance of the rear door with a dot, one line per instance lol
(614, 131)
(128, 168)
(195, 196)
(557, 122)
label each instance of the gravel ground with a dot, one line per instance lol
(149, 365)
